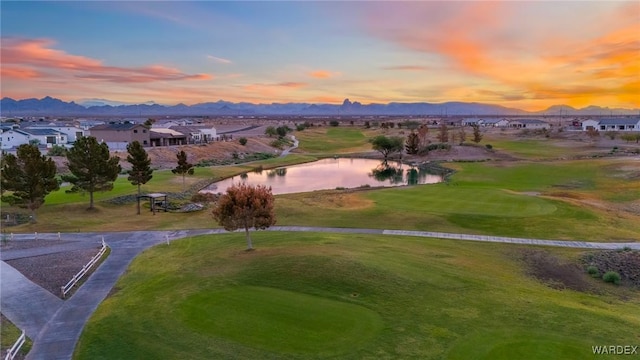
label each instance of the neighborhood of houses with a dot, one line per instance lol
(117, 134)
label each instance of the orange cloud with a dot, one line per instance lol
(490, 44)
(37, 54)
(321, 74)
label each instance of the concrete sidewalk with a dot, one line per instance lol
(23, 302)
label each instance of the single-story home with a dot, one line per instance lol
(495, 122)
(529, 124)
(48, 137)
(167, 137)
(612, 124)
(197, 134)
(11, 138)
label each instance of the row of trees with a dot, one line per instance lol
(417, 140)
(31, 176)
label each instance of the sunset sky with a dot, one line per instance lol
(524, 54)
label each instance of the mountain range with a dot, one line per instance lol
(49, 106)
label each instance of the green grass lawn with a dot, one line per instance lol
(519, 199)
(311, 296)
(333, 140)
(487, 198)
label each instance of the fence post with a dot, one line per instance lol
(36, 235)
(11, 236)
(62, 290)
(167, 237)
(58, 235)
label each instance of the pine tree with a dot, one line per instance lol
(91, 167)
(30, 176)
(413, 144)
(141, 171)
(184, 167)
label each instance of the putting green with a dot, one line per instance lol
(518, 344)
(281, 321)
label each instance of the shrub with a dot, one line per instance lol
(300, 127)
(334, 123)
(593, 271)
(204, 197)
(58, 150)
(611, 277)
(489, 146)
(242, 141)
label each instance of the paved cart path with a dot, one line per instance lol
(55, 325)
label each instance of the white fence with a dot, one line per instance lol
(16, 347)
(65, 289)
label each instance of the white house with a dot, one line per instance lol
(72, 132)
(529, 124)
(618, 124)
(495, 122)
(11, 138)
(590, 124)
(46, 136)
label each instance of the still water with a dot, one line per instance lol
(330, 174)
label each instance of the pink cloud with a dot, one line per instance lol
(38, 55)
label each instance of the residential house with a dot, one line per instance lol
(167, 137)
(495, 123)
(197, 134)
(48, 137)
(471, 122)
(119, 135)
(72, 133)
(529, 124)
(590, 125)
(618, 124)
(11, 138)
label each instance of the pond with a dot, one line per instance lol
(330, 174)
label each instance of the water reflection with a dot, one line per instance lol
(330, 174)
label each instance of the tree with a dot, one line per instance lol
(141, 171)
(270, 131)
(423, 131)
(387, 145)
(245, 206)
(30, 175)
(282, 130)
(242, 141)
(91, 167)
(443, 133)
(184, 167)
(413, 143)
(462, 135)
(477, 135)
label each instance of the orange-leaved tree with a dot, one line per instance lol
(245, 206)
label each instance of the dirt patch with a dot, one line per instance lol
(53, 271)
(624, 262)
(554, 272)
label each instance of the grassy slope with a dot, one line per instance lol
(406, 298)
